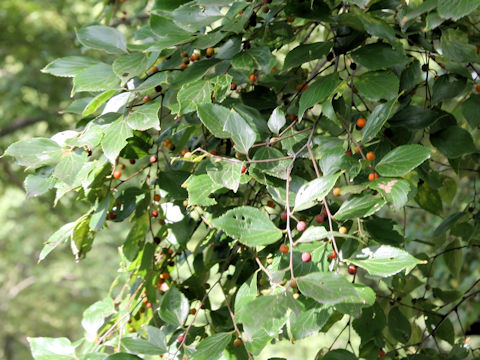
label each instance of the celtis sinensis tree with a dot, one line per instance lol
(297, 159)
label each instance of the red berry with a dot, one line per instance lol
(244, 169)
(352, 269)
(332, 255)
(381, 353)
(148, 305)
(132, 161)
(283, 216)
(271, 204)
(349, 153)
(301, 226)
(153, 159)
(117, 174)
(180, 338)
(306, 256)
(319, 219)
(157, 240)
(284, 248)
(154, 213)
(233, 86)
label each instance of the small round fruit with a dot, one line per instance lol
(210, 52)
(148, 305)
(117, 174)
(183, 66)
(233, 86)
(180, 338)
(370, 156)
(361, 122)
(333, 255)
(381, 353)
(352, 269)
(478, 88)
(165, 276)
(154, 69)
(353, 66)
(192, 58)
(154, 213)
(372, 176)
(197, 56)
(290, 19)
(342, 230)
(336, 191)
(167, 143)
(158, 88)
(183, 54)
(425, 67)
(185, 203)
(270, 203)
(357, 149)
(283, 216)
(192, 311)
(121, 166)
(330, 56)
(157, 197)
(146, 99)
(186, 60)
(237, 342)
(132, 161)
(284, 248)
(253, 78)
(319, 219)
(306, 256)
(349, 153)
(112, 215)
(292, 117)
(301, 226)
(157, 240)
(153, 159)
(244, 169)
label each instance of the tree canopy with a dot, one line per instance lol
(283, 167)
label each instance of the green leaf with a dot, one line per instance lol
(339, 354)
(358, 207)
(376, 26)
(402, 160)
(103, 38)
(383, 260)
(398, 325)
(377, 119)
(394, 191)
(308, 322)
(174, 307)
(429, 199)
(415, 117)
(240, 132)
(453, 142)
(193, 72)
(371, 323)
(168, 32)
(199, 188)
(69, 66)
(377, 85)
(94, 316)
(82, 237)
(306, 53)
(249, 225)
(98, 77)
(456, 47)
(276, 120)
(131, 65)
(97, 101)
(377, 56)
(35, 152)
(410, 76)
(454, 258)
(136, 237)
(122, 356)
(246, 293)
(39, 183)
(214, 117)
(212, 347)
(318, 92)
(273, 168)
(70, 165)
(447, 223)
(313, 233)
(471, 109)
(382, 231)
(44, 348)
(456, 9)
(101, 210)
(326, 287)
(140, 346)
(226, 173)
(229, 49)
(115, 139)
(312, 192)
(145, 117)
(60, 236)
(447, 87)
(194, 94)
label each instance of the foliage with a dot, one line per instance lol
(212, 127)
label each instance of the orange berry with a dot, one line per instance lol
(167, 143)
(117, 174)
(184, 152)
(272, 70)
(210, 52)
(237, 343)
(213, 152)
(342, 230)
(193, 311)
(165, 276)
(357, 149)
(157, 197)
(154, 69)
(302, 87)
(372, 176)
(290, 19)
(370, 156)
(336, 191)
(121, 166)
(183, 66)
(253, 78)
(333, 255)
(284, 248)
(271, 204)
(478, 88)
(146, 99)
(197, 56)
(361, 122)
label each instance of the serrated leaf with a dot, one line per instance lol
(377, 56)
(214, 117)
(70, 165)
(69, 66)
(339, 354)
(395, 191)
(129, 66)
(318, 92)
(402, 160)
(140, 346)
(471, 109)
(326, 287)
(98, 77)
(122, 356)
(306, 53)
(455, 10)
(44, 348)
(168, 32)
(199, 188)
(276, 120)
(454, 258)
(94, 316)
(377, 85)
(194, 94)
(60, 236)
(226, 173)
(383, 260)
(377, 119)
(453, 142)
(249, 225)
(82, 237)
(35, 152)
(240, 132)
(312, 192)
(359, 206)
(39, 183)
(103, 38)
(145, 117)
(97, 101)
(101, 210)
(115, 139)
(313, 233)
(273, 168)
(174, 307)
(212, 347)
(447, 223)
(398, 325)
(308, 322)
